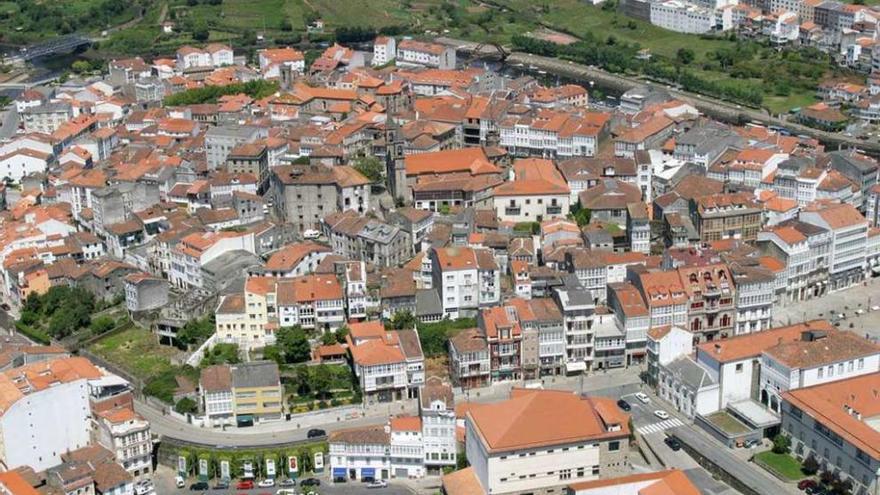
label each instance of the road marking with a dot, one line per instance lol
(661, 426)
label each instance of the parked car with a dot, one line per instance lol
(316, 432)
(754, 442)
(221, 485)
(310, 482)
(287, 482)
(199, 486)
(266, 483)
(285, 491)
(179, 481)
(860, 311)
(377, 484)
(245, 485)
(311, 234)
(624, 405)
(807, 484)
(643, 397)
(672, 443)
(660, 413)
(875, 308)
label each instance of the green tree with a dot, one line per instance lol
(321, 380)
(81, 67)
(579, 214)
(196, 331)
(328, 338)
(201, 32)
(685, 56)
(781, 444)
(186, 405)
(294, 344)
(402, 320)
(301, 380)
(340, 334)
(810, 465)
(102, 324)
(273, 353)
(371, 167)
(221, 354)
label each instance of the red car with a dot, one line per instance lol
(804, 484)
(244, 485)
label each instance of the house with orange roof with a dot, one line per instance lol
(467, 279)
(197, 249)
(44, 411)
(537, 192)
(127, 435)
(536, 432)
(835, 424)
(384, 50)
(658, 483)
(413, 53)
(849, 236)
(22, 162)
(296, 259)
(388, 364)
(554, 132)
(271, 61)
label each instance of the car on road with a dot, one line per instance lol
(245, 485)
(624, 405)
(316, 432)
(310, 482)
(286, 482)
(266, 483)
(875, 308)
(199, 486)
(179, 482)
(643, 397)
(660, 413)
(144, 487)
(672, 443)
(311, 234)
(807, 484)
(860, 311)
(285, 491)
(221, 485)
(377, 484)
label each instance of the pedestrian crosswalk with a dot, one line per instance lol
(660, 426)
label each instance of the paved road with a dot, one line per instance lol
(613, 384)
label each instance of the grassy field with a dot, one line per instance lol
(783, 464)
(137, 351)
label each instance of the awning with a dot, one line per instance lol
(575, 366)
(339, 472)
(368, 473)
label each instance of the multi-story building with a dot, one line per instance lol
(541, 440)
(577, 306)
(437, 410)
(253, 159)
(220, 140)
(45, 411)
(552, 133)
(126, 434)
(755, 290)
(684, 17)
(215, 386)
(361, 238)
(384, 50)
(632, 319)
(537, 193)
(849, 236)
(467, 279)
(47, 117)
(389, 365)
(257, 394)
(726, 216)
(194, 251)
(311, 301)
(469, 363)
(711, 295)
(504, 337)
(833, 424)
(304, 195)
(420, 54)
(804, 250)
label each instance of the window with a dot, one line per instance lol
(821, 373)
(565, 474)
(613, 446)
(861, 363)
(739, 368)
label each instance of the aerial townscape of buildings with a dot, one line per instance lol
(435, 275)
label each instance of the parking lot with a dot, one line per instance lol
(164, 482)
(854, 304)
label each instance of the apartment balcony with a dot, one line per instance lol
(512, 211)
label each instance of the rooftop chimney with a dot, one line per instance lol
(717, 348)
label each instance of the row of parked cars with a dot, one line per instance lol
(200, 486)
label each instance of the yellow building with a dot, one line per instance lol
(256, 392)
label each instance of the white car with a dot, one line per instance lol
(378, 484)
(875, 308)
(311, 234)
(285, 491)
(643, 398)
(661, 414)
(860, 311)
(179, 481)
(266, 483)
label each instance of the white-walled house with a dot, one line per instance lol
(384, 50)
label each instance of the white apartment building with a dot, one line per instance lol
(805, 251)
(536, 192)
(46, 411)
(437, 410)
(684, 17)
(196, 250)
(551, 133)
(384, 50)
(467, 279)
(755, 293)
(360, 453)
(818, 357)
(127, 434)
(389, 365)
(23, 162)
(189, 57)
(416, 53)
(540, 440)
(272, 60)
(849, 233)
(311, 301)
(221, 55)
(577, 307)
